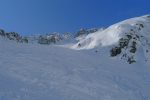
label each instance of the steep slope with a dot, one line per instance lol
(126, 38)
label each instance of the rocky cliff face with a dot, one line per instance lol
(133, 40)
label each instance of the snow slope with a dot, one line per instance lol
(41, 72)
(37, 72)
(112, 34)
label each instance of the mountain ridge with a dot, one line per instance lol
(31, 71)
(125, 39)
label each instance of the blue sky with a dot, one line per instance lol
(46, 16)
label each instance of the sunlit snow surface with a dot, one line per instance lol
(39, 72)
(112, 34)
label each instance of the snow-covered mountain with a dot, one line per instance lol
(126, 38)
(111, 35)
(87, 70)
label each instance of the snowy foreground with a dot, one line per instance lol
(36, 72)
(40, 72)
